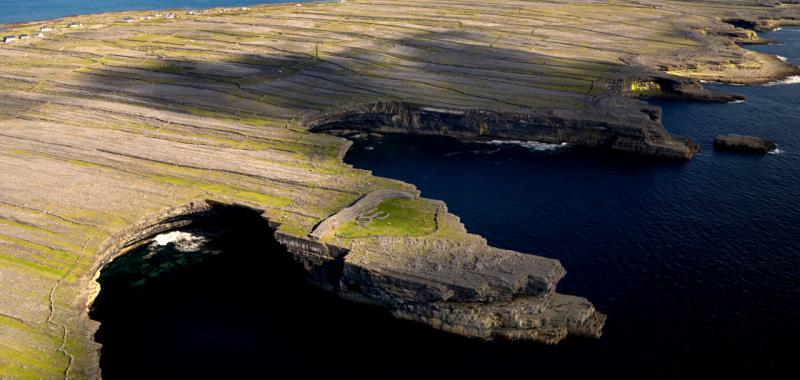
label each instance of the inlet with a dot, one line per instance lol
(219, 297)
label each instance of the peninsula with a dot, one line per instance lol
(116, 127)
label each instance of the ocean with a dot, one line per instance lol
(695, 263)
(23, 11)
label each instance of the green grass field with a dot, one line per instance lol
(406, 217)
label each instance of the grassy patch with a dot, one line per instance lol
(225, 190)
(405, 218)
(48, 251)
(28, 266)
(17, 364)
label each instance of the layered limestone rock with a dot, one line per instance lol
(469, 289)
(744, 144)
(631, 129)
(462, 286)
(636, 83)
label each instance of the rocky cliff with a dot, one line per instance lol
(462, 286)
(635, 130)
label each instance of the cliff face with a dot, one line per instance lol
(462, 286)
(636, 131)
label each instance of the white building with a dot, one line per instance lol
(9, 39)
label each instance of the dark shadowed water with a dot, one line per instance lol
(30, 10)
(235, 307)
(695, 263)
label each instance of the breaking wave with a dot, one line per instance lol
(782, 58)
(182, 241)
(776, 151)
(794, 79)
(533, 146)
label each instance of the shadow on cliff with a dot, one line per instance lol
(238, 307)
(451, 68)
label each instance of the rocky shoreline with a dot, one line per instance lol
(638, 132)
(513, 296)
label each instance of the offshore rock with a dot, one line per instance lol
(744, 144)
(640, 83)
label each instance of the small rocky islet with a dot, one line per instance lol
(117, 127)
(744, 144)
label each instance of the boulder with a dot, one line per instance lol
(745, 144)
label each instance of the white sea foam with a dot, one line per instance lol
(794, 79)
(451, 154)
(782, 58)
(703, 81)
(736, 102)
(534, 146)
(776, 151)
(183, 241)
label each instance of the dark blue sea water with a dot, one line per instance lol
(29, 10)
(696, 265)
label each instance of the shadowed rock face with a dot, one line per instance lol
(461, 286)
(469, 289)
(635, 130)
(744, 144)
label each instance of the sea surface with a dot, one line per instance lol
(31, 10)
(696, 264)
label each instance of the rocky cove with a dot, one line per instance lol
(467, 288)
(230, 294)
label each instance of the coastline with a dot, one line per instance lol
(89, 153)
(244, 4)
